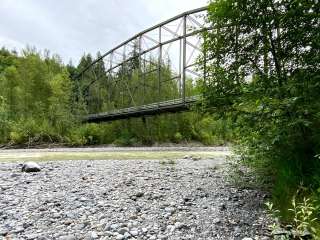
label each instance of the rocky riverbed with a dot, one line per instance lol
(128, 199)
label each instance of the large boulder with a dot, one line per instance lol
(31, 167)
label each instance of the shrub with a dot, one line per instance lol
(177, 137)
(270, 91)
(86, 134)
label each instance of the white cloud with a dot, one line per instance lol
(10, 43)
(73, 27)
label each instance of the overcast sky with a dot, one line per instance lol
(72, 27)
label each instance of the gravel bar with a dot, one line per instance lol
(128, 199)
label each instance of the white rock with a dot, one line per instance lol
(179, 225)
(120, 237)
(93, 235)
(114, 226)
(216, 220)
(31, 167)
(123, 230)
(134, 233)
(127, 235)
(109, 233)
(170, 228)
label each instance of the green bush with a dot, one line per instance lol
(86, 134)
(211, 130)
(264, 75)
(178, 137)
(126, 138)
(31, 131)
(4, 120)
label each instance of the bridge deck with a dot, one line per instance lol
(171, 106)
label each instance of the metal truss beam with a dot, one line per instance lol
(120, 64)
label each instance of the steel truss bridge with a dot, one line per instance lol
(156, 71)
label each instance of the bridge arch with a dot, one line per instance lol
(148, 73)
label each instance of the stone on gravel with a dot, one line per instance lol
(179, 225)
(134, 233)
(196, 158)
(114, 226)
(279, 232)
(123, 230)
(68, 237)
(216, 221)
(30, 167)
(3, 232)
(92, 235)
(120, 237)
(139, 194)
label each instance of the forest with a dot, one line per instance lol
(261, 95)
(41, 103)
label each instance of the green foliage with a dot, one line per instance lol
(304, 212)
(32, 131)
(178, 137)
(35, 98)
(87, 134)
(303, 215)
(212, 130)
(4, 120)
(125, 139)
(264, 75)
